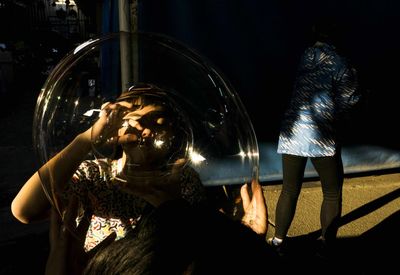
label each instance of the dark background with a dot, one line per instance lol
(257, 45)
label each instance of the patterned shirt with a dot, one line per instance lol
(325, 89)
(114, 210)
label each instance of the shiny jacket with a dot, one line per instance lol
(324, 90)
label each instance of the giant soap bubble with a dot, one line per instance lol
(153, 133)
(211, 129)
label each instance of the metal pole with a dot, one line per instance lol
(135, 46)
(125, 50)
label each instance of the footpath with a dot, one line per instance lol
(368, 233)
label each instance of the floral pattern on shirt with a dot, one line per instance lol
(114, 210)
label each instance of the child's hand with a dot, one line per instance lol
(105, 130)
(255, 209)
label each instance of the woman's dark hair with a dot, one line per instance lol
(326, 29)
(148, 249)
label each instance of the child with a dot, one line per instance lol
(155, 137)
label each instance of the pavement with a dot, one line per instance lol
(368, 235)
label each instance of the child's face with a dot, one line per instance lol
(153, 133)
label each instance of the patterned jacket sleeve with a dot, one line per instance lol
(346, 90)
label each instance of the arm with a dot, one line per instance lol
(31, 203)
(347, 90)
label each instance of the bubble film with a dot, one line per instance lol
(160, 103)
(150, 129)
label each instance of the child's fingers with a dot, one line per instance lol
(244, 193)
(104, 105)
(257, 190)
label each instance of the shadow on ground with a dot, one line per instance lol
(365, 254)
